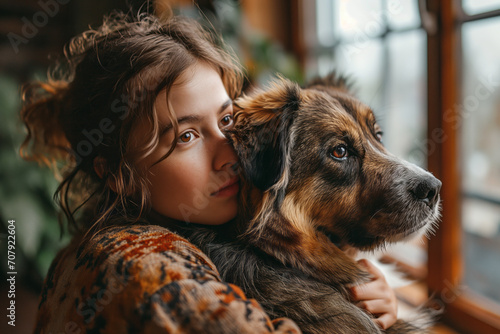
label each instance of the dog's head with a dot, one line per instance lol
(316, 153)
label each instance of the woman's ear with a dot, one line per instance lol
(101, 169)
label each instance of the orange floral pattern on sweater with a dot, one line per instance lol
(144, 279)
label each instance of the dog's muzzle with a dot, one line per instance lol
(426, 189)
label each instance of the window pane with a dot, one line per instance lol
(325, 22)
(358, 19)
(403, 116)
(363, 64)
(480, 6)
(480, 126)
(403, 14)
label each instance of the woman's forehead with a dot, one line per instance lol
(199, 89)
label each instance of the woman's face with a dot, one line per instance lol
(196, 182)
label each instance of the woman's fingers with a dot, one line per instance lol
(371, 268)
(376, 297)
(376, 306)
(376, 289)
(385, 313)
(385, 321)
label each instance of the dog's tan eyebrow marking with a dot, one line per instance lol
(367, 117)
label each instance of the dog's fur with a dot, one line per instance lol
(303, 201)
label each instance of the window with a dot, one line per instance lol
(430, 71)
(480, 136)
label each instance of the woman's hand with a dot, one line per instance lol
(376, 297)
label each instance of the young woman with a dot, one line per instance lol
(133, 121)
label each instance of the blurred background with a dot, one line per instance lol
(429, 69)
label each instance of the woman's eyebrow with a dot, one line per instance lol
(194, 118)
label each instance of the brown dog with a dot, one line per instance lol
(317, 179)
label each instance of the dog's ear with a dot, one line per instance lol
(334, 81)
(261, 135)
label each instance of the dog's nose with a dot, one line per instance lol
(427, 190)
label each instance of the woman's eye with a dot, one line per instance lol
(226, 121)
(186, 137)
(340, 152)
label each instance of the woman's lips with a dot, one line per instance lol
(230, 188)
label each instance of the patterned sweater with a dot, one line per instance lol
(144, 279)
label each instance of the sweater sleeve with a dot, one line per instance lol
(145, 279)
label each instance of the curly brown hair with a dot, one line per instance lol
(80, 118)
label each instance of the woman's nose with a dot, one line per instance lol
(225, 156)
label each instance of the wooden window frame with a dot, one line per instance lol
(463, 309)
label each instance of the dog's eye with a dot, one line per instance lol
(340, 152)
(378, 132)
